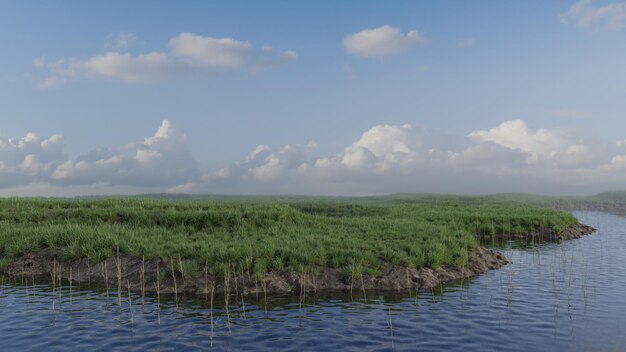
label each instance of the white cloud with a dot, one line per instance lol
(552, 147)
(586, 14)
(122, 66)
(618, 162)
(211, 52)
(120, 41)
(384, 159)
(27, 159)
(381, 146)
(516, 135)
(190, 55)
(381, 41)
(265, 164)
(160, 160)
(403, 158)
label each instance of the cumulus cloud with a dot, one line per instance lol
(552, 147)
(189, 55)
(516, 135)
(381, 41)
(160, 160)
(511, 156)
(403, 158)
(29, 158)
(586, 14)
(265, 164)
(379, 148)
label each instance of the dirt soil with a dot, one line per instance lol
(123, 271)
(543, 234)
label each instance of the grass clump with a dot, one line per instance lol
(260, 235)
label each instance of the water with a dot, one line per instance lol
(567, 297)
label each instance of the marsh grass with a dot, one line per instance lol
(255, 236)
(211, 315)
(70, 283)
(142, 279)
(390, 326)
(105, 276)
(173, 271)
(157, 286)
(118, 273)
(227, 295)
(130, 299)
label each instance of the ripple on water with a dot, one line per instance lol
(566, 296)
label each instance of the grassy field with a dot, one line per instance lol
(262, 234)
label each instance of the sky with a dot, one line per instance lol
(320, 97)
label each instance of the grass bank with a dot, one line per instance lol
(258, 235)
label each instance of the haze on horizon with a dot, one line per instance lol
(319, 98)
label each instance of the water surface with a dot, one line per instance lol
(567, 296)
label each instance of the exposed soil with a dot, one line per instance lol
(123, 271)
(543, 234)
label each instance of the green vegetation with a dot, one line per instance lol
(261, 234)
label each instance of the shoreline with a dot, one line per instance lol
(123, 271)
(542, 234)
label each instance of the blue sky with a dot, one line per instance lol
(556, 66)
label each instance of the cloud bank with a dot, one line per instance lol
(384, 159)
(189, 55)
(161, 160)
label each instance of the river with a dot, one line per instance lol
(568, 296)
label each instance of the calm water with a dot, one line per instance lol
(569, 296)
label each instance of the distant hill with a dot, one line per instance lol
(611, 201)
(613, 195)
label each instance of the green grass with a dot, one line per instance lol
(262, 234)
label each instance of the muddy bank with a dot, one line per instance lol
(542, 234)
(123, 271)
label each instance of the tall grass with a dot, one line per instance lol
(258, 236)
